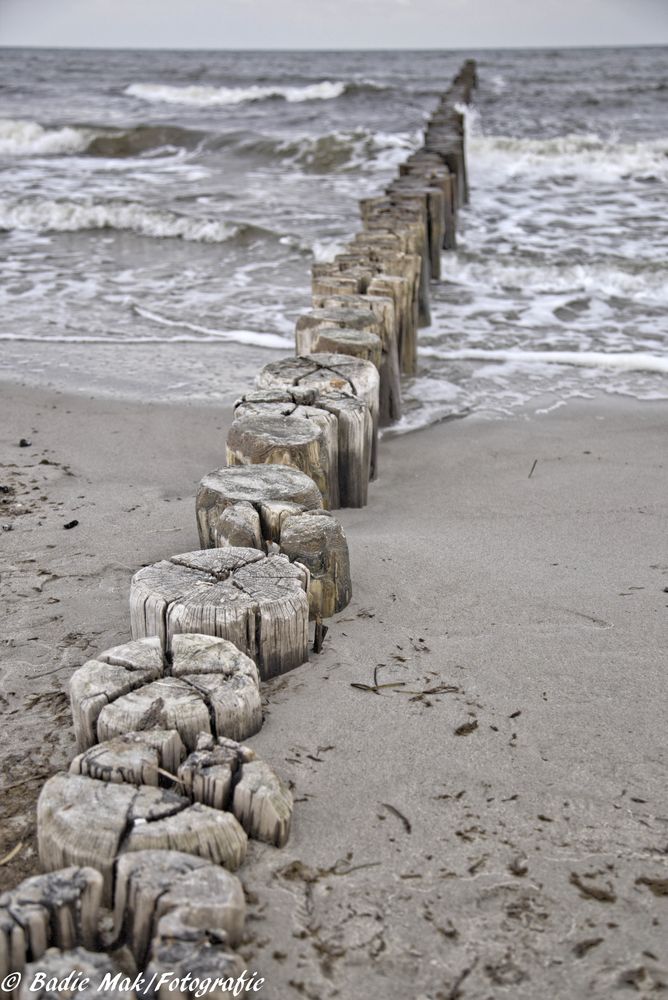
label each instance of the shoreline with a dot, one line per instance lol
(531, 595)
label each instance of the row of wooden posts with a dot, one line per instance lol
(156, 810)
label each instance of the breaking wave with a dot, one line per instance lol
(642, 284)
(340, 150)
(583, 155)
(203, 97)
(43, 215)
(143, 139)
(27, 138)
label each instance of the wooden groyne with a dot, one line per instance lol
(139, 839)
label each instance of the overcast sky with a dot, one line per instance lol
(332, 23)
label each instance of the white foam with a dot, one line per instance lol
(595, 278)
(43, 215)
(28, 138)
(351, 150)
(204, 97)
(585, 155)
(238, 336)
(499, 84)
(622, 361)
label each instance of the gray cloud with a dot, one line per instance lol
(332, 23)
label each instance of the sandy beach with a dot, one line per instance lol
(478, 755)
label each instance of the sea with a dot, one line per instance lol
(160, 212)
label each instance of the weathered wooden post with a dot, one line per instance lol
(384, 323)
(288, 510)
(257, 602)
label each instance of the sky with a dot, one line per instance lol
(332, 24)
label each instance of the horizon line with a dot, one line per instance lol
(375, 48)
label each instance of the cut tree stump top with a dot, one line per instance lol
(258, 602)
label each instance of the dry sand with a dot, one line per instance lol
(494, 824)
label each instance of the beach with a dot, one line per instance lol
(478, 754)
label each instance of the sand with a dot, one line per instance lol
(492, 820)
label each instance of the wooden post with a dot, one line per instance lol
(268, 432)
(61, 909)
(88, 822)
(258, 602)
(273, 491)
(263, 804)
(340, 340)
(152, 884)
(337, 375)
(112, 674)
(317, 540)
(383, 312)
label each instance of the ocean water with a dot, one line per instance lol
(160, 211)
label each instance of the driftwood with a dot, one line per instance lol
(153, 884)
(84, 821)
(272, 491)
(59, 909)
(88, 973)
(258, 602)
(317, 540)
(263, 804)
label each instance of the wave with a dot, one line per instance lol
(28, 138)
(143, 139)
(585, 155)
(206, 97)
(640, 284)
(635, 361)
(341, 150)
(43, 215)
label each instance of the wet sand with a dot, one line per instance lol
(478, 755)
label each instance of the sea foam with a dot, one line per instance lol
(198, 96)
(43, 215)
(587, 156)
(28, 138)
(630, 361)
